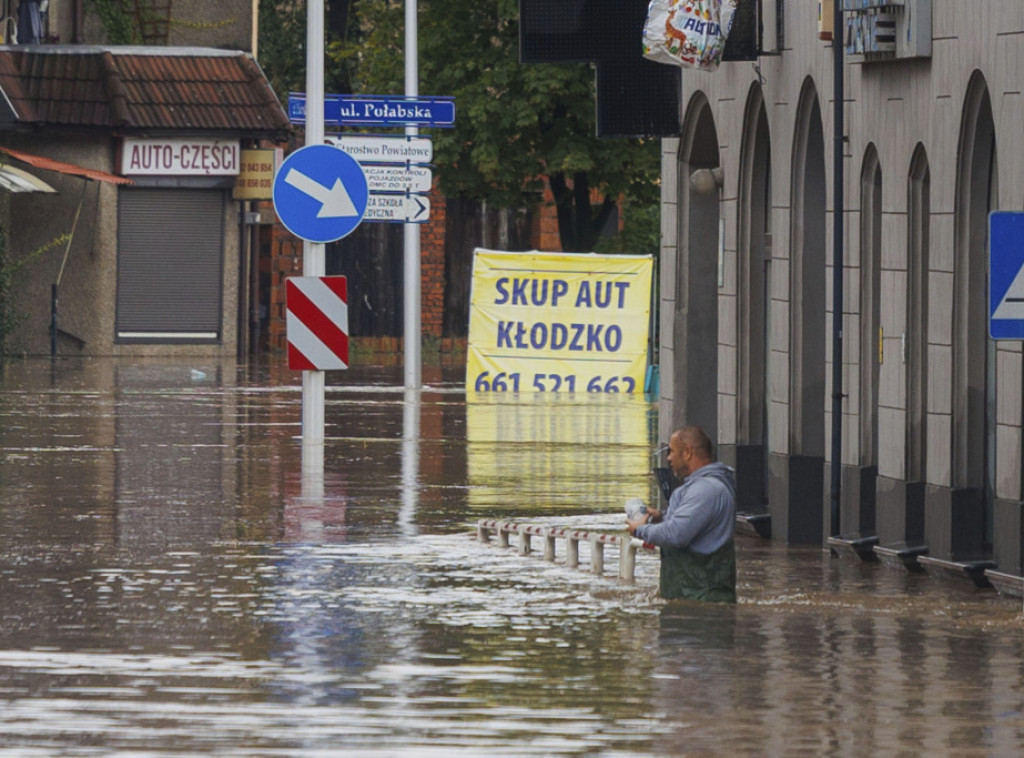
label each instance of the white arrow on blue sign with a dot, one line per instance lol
(1006, 275)
(320, 193)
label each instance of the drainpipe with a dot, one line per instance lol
(837, 270)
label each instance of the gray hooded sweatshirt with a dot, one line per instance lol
(701, 514)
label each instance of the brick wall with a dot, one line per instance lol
(286, 260)
(432, 253)
(545, 224)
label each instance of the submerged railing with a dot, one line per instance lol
(628, 546)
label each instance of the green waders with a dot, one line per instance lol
(695, 576)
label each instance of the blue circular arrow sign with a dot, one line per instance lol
(320, 193)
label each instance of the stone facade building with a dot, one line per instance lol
(931, 406)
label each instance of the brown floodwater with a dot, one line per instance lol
(168, 586)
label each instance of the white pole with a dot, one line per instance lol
(410, 463)
(413, 327)
(313, 255)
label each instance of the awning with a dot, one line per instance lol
(14, 179)
(49, 164)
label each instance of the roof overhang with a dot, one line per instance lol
(49, 164)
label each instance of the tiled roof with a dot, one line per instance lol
(138, 89)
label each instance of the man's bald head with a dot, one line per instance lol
(689, 448)
(698, 439)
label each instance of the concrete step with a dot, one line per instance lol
(901, 555)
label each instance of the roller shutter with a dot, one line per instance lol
(170, 265)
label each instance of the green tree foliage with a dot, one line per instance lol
(515, 123)
(282, 45)
(119, 24)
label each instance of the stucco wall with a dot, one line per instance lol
(228, 24)
(36, 220)
(894, 107)
(88, 284)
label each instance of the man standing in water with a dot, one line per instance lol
(695, 534)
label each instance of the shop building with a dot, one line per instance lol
(157, 260)
(931, 406)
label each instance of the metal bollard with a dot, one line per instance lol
(596, 555)
(503, 535)
(483, 534)
(627, 558)
(524, 542)
(549, 544)
(572, 549)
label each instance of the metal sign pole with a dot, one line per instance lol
(313, 255)
(413, 327)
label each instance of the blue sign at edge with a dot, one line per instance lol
(306, 185)
(1005, 261)
(371, 110)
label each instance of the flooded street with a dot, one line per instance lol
(167, 587)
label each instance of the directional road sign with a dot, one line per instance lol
(367, 148)
(1006, 275)
(397, 178)
(398, 209)
(320, 193)
(374, 110)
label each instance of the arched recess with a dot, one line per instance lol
(973, 443)
(755, 243)
(808, 283)
(860, 485)
(796, 476)
(695, 323)
(900, 490)
(907, 520)
(916, 339)
(870, 302)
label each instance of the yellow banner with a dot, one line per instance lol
(558, 322)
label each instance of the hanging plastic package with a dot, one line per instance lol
(689, 33)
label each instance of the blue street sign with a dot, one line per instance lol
(371, 110)
(1006, 275)
(320, 193)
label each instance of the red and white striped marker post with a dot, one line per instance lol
(317, 322)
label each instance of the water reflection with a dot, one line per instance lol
(169, 582)
(561, 453)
